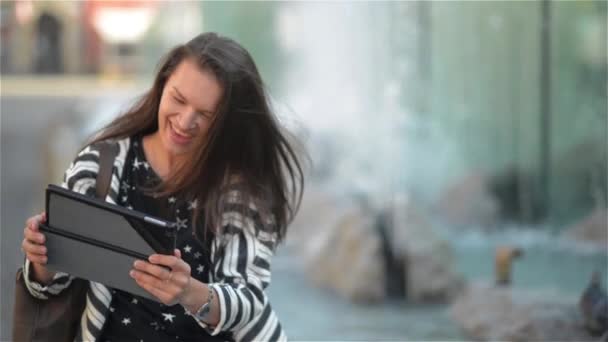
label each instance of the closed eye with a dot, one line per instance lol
(205, 115)
(180, 101)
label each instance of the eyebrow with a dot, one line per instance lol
(182, 96)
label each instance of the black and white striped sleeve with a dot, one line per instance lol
(241, 258)
(80, 177)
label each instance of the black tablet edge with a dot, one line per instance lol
(104, 205)
(90, 241)
(115, 209)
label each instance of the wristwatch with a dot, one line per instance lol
(204, 310)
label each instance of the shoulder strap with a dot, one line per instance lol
(107, 154)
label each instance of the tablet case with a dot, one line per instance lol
(98, 241)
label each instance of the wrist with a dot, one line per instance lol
(192, 296)
(198, 302)
(40, 274)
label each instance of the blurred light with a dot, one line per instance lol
(288, 28)
(122, 25)
(24, 11)
(593, 39)
(496, 21)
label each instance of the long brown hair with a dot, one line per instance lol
(245, 148)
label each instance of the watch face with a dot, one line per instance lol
(203, 311)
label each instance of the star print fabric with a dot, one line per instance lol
(134, 318)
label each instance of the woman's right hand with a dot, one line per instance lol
(34, 247)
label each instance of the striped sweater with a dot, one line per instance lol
(240, 255)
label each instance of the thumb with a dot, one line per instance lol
(177, 253)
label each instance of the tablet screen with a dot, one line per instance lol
(93, 222)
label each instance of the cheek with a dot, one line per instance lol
(164, 112)
(204, 128)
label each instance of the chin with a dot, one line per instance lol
(173, 148)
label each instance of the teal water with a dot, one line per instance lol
(309, 313)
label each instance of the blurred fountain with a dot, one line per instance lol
(356, 94)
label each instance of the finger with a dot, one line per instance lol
(170, 261)
(32, 248)
(36, 258)
(34, 222)
(33, 236)
(159, 272)
(156, 292)
(43, 216)
(155, 282)
(177, 253)
(29, 223)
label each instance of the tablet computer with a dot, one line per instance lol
(95, 240)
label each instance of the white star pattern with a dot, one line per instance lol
(134, 301)
(130, 207)
(146, 165)
(126, 321)
(192, 204)
(125, 186)
(181, 223)
(197, 255)
(124, 199)
(136, 164)
(171, 199)
(187, 249)
(199, 269)
(168, 317)
(112, 309)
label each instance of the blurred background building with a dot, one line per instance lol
(439, 131)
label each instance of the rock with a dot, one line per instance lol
(347, 258)
(519, 195)
(484, 200)
(342, 247)
(489, 313)
(468, 202)
(580, 170)
(338, 247)
(430, 274)
(593, 229)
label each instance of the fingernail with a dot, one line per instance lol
(136, 263)
(132, 274)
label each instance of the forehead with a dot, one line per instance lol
(199, 87)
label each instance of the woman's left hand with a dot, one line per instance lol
(168, 285)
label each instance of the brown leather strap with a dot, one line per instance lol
(107, 154)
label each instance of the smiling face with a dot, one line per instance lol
(187, 107)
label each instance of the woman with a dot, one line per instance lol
(201, 148)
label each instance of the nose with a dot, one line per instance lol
(187, 120)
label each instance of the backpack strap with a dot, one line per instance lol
(107, 153)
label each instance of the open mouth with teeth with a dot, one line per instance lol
(178, 137)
